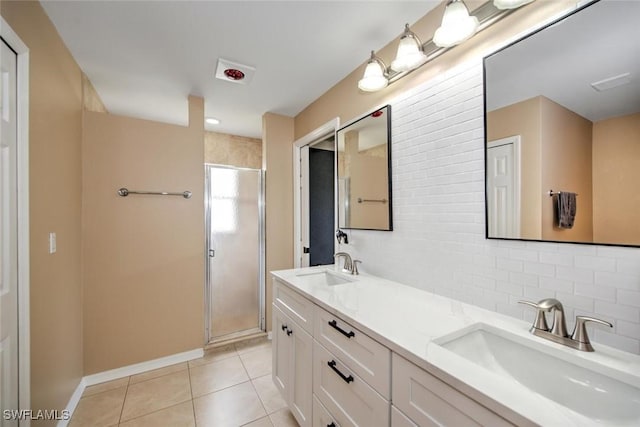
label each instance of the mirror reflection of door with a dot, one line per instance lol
(317, 197)
(503, 187)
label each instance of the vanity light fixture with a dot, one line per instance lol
(375, 75)
(510, 4)
(457, 25)
(410, 54)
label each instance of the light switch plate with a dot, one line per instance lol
(52, 243)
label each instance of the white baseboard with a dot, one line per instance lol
(73, 402)
(141, 367)
(126, 371)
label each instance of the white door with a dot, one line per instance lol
(503, 187)
(8, 235)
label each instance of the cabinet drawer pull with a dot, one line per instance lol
(284, 327)
(331, 425)
(332, 365)
(289, 332)
(335, 326)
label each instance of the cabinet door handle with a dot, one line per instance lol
(332, 424)
(289, 332)
(284, 327)
(332, 365)
(335, 326)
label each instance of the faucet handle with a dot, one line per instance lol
(541, 321)
(580, 331)
(354, 264)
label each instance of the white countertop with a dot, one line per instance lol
(407, 320)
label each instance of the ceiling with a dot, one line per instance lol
(562, 61)
(145, 57)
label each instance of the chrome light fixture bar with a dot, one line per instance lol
(487, 14)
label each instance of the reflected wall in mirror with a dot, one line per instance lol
(364, 172)
(563, 114)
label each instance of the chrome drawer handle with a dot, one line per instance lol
(335, 326)
(332, 365)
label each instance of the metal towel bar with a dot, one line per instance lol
(124, 192)
(361, 200)
(555, 193)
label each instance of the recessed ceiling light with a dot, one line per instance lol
(212, 121)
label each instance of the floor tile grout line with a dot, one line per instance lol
(159, 376)
(153, 412)
(224, 388)
(193, 403)
(259, 398)
(124, 400)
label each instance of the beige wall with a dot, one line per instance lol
(347, 102)
(566, 166)
(143, 255)
(90, 99)
(523, 119)
(55, 109)
(616, 150)
(277, 159)
(232, 150)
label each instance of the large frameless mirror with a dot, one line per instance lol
(364, 172)
(563, 130)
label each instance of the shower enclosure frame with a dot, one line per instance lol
(208, 338)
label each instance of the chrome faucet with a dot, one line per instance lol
(558, 331)
(350, 266)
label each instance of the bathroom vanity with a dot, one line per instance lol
(365, 351)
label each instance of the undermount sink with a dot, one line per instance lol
(582, 389)
(324, 277)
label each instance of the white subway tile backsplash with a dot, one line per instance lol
(631, 298)
(628, 329)
(438, 243)
(554, 284)
(606, 293)
(618, 311)
(623, 281)
(595, 262)
(577, 274)
(556, 258)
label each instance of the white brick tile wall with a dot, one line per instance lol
(438, 242)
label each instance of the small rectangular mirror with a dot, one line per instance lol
(364, 172)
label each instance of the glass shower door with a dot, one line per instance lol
(234, 268)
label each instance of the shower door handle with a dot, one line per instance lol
(212, 253)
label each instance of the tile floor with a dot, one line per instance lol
(229, 387)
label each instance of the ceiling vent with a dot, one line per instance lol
(233, 72)
(612, 82)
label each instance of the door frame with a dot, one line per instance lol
(321, 132)
(261, 261)
(22, 98)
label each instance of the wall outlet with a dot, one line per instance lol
(52, 243)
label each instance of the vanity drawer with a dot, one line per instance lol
(322, 417)
(345, 395)
(430, 402)
(398, 419)
(364, 356)
(294, 305)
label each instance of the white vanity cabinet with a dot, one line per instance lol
(333, 375)
(291, 365)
